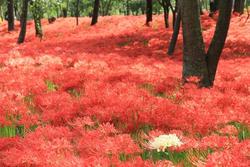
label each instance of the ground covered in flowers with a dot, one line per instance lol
(100, 96)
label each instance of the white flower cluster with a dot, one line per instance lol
(163, 141)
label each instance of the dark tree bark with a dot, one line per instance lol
(65, 9)
(22, 33)
(239, 6)
(175, 34)
(200, 4)
(65, 12)
(10, 15)
(174, 11)
(218, 41)
(166, 16)
(194, 60)
(77, 12)
(149, 12)
(166, 5)
(213, 7)
(95, 12)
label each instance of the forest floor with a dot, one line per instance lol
(99, 96)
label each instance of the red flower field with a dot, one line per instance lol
(96, 96)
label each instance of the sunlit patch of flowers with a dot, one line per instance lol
(161, 142)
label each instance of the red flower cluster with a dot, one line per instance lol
(87, 96)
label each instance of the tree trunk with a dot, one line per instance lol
(174, 11)
(149, 12)
(65, 12)
(95, 12)
(77, 12)
(37, 11)
(201, 10)
(38, 27)
(175, 35)
(10, 15)
(218, 41)
(239, 6)
(23, 21)
(213, 7)
(194, 60)
(106, 8)
(166, 15)
(127, 7)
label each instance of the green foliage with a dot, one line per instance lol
(243, 130)
(51, 86)
(7, 131)
(12, 131)
(74, 92)
(172, 96)
(187, 158)
(125, 43)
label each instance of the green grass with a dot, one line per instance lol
(74, 92)
(12, 131)
(243, 130)
(185, 158)
(51, 86)
(151, 89)
(125, 43)
(7, 131)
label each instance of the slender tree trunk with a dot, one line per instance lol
(218, 41)
(239, 6)
(166, 16)
(95, 12)
(166, 5)
(109, 4)
(174, 11)
(213, 7)
(194, 60)
(65, 12)
(175, 34)
(77, 12)
(11, 19)
(16, 13)
(201, 10)
(127, 7)
(37, 11)
(22, 33)
(149, 12)
(38, 27)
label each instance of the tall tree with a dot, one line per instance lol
(218, 41)
(165, 5)
(127, 7)
(149, 12)
(95, 12)
(37, 12)
(10, 4)
(175, 34)
(22, 33)
(196, 62)
(65, 7)
(239, 6)
(77, 11)
(213, 6)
